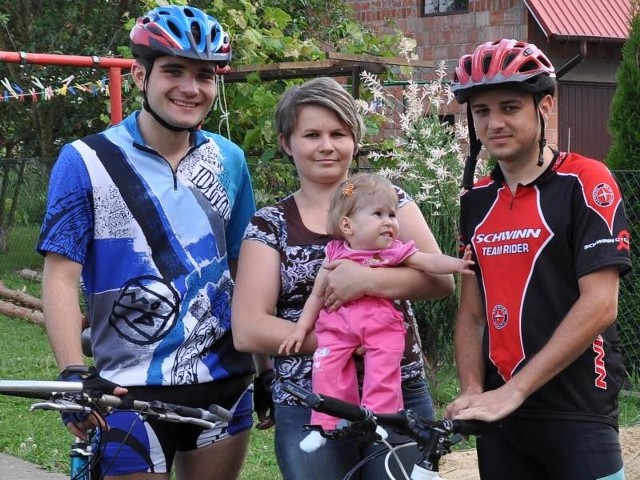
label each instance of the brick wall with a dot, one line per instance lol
(448, 37)
(445, 37)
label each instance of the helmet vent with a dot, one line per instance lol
(175, 29)
(196, 32)
(545, 61)
(467, 65)
(507, 60)
(528, 67)
(486, 63)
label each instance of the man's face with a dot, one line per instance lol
(507, 123)
(180, 90)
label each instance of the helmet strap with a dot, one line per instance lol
(543, 141)
(475, 146)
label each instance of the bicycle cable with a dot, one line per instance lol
(389, 451)
(122, 442)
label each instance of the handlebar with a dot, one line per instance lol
(71, 397)
(434, 438)
(397, 421)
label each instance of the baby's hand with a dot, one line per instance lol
(467, 263)
(292, 344)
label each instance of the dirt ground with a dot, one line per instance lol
(461, 465)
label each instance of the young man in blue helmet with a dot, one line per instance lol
(535, 340)
(150, 214)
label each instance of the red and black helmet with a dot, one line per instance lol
(504, 62)
(180, 32)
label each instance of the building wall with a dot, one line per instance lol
(446, 37)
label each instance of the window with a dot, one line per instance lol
(435, 7)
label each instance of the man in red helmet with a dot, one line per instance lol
(150, 214)
(535, 339)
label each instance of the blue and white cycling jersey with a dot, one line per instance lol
(154, 246)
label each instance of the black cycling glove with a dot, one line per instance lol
(262, 400)
(92, 383)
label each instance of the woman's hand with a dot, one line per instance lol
(345, 281)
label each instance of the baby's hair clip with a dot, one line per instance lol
(347, 190)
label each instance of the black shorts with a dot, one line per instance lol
(552, 450)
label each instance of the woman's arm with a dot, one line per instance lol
(347, 281)
(255, 327)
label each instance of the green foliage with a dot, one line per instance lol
(628, 319)
(61, 27)
(265, 31)
(625, 107)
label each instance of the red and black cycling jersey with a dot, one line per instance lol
(531, 248)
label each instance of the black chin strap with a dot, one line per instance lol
(475, 146)
(543, 141)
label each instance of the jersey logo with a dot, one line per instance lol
(146, 311)
(603, 195)
(624, 240)
(599, 363)
(499, 317)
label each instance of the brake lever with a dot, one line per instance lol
(173, 417)
(60, 406)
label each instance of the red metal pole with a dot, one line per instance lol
(115, 94)
(113, 64)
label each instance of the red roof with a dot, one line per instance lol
(582, 19)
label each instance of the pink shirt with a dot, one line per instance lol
(388, 257)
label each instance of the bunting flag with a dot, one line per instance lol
(38, 91)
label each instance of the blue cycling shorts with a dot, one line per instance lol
(133, 444)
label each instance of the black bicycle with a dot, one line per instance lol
(433, 438)
(74, 397)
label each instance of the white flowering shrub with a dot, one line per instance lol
(421, 153)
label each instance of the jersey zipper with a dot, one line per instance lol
(174, 175)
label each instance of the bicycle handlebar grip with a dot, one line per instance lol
(330, 405)
(194, 412)
(339, 408)
(473, 427)
(37, 388)
(391, 420)
(220, 413)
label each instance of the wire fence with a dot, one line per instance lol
(629, 302)
(23, 209)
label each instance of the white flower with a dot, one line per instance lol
(422, 152)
